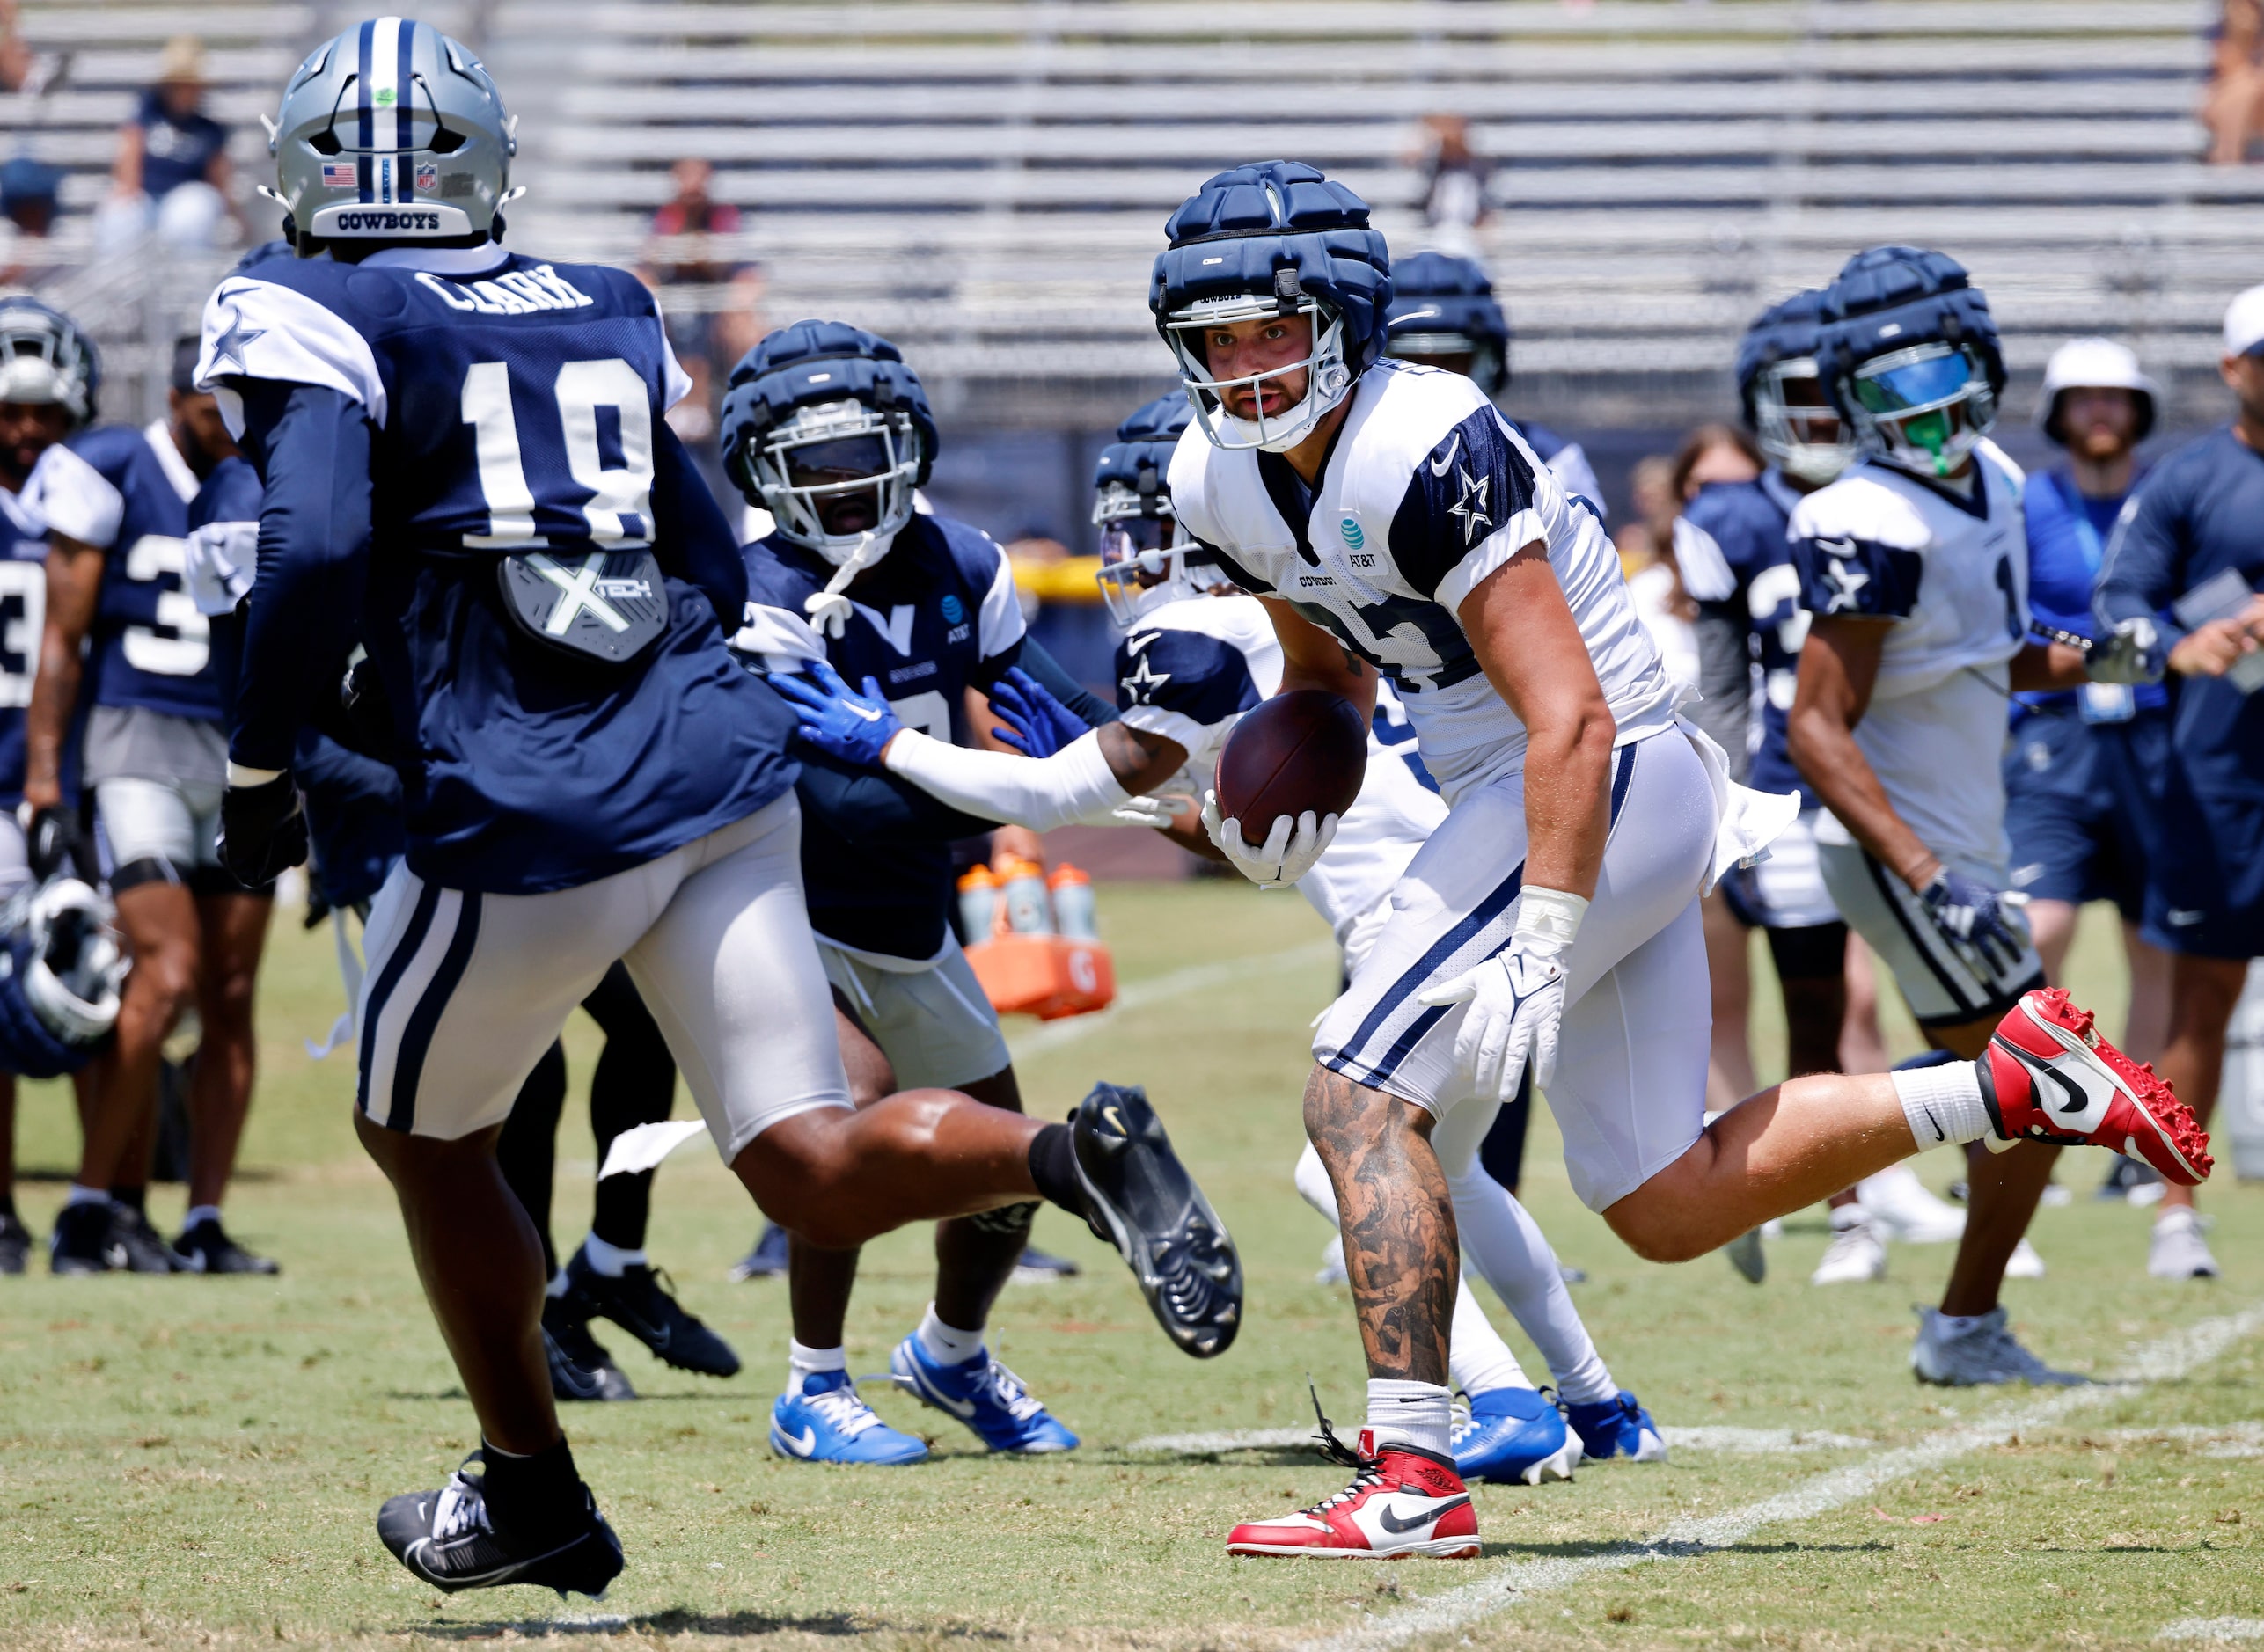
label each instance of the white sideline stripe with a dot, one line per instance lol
(2213, 1629)
(1157, 989)
(1746, 1442)
(1248, 1440)
(2170, 1357)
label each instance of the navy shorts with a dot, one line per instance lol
(2079, 830)
(2205, 852)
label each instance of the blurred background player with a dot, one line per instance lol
(123, 636)
(2078, 834)
(829, 430)
(2181, 573)
(171, 176)
(50, 377)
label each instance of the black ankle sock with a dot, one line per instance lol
(8, 1207)
(1053, 1167)
(134, 1199)
(533, 1500)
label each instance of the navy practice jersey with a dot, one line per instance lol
(500, 405)
(23, 614)
(933, 618)
(2201, 512)
(2067, 532)
(1736, 562)
(126, 492)
(1567, 460)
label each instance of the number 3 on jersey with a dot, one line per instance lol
(600, 467)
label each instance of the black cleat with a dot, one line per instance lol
(641, 1305)
(1035, 1265)
(81, 1244)
(143, 1246)
(15, 1244)
(767, 1259)
(580, 1367)
(444, 1537)
(206, 1248)
(1140, 1198)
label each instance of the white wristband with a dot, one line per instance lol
(1547, 921)
(1074, 784)
(240, 775)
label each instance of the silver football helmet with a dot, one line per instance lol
(392, 132)
(45, 357)
(71, 964)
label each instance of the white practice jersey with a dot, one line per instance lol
(1427, 492)
(1189, 669)
(1951, 575)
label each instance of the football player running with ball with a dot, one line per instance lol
(1391, 523)
(467, 471)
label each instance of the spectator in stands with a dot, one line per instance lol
(20, 70)
(1455, 184)
(28, 196)
(708, 330)
(2233, 107)
(170, 175)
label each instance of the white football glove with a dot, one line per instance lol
(1516, 998)
(1290, 850)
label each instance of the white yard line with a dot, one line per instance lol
(2213, 1629)
(1203, 1444)
(1511, 1585)
(1139, 995)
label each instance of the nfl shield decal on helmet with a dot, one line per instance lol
(428, 176)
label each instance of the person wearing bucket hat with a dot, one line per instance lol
(170, 175)
(2186, 558)
(2076, 838)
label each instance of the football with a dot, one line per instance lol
(1305, 750)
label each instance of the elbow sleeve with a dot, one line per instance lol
(1073, 785)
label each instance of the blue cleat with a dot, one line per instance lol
(1618, 1427)
(826, 1422)
(983, 1394)
(1514, 1436)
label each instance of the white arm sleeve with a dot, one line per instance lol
(1074, 785)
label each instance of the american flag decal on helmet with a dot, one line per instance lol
(339, 175)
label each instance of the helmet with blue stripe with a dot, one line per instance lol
(1145, 560)
(391, 132)
(45, 356)
(1271, 239)
(1909, 355)
(1783, 399)
(61, 969)
(827, 428)
(1444, 311)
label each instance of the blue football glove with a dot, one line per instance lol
(836, 719)
(1972, 917)
(1031, 721)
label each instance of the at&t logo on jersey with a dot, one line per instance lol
(1354, 535)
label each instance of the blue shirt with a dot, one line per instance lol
(935, 617)
(175, 151)
(2201, 511)
(2068, 531)
(418, 417)
(127, 494)
(1755, 585)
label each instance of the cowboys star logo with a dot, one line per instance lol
(1842, 575)
(228, 345)
(1471, 508)
(1145, 679)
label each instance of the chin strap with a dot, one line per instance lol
(829, 610)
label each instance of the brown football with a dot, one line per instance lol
(1305, 750)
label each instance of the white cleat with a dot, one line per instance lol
(1855, 1255)
(1979, 1354)
(2024, 1264)
(1332, 1263)
(1906, 1211)
(2178, 1250)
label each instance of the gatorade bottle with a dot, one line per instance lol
(1072, 903)
(1024, 890)
(978, 903)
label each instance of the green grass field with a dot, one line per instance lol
(196, 1462)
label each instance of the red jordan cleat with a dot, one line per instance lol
(2049, 1076)
(1403, 1500)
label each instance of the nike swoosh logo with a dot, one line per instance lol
(1392, 1523)
(801, 1445)
(1438, 466)
(2079, 1098)
(869, 715)
(963, 1409)
(1939, 1135)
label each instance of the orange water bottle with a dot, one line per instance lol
(978, 903)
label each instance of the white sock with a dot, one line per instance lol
(802, 1362)
(1313, 1183)
(1505, 1246)
(1480, 1362)
(1943, 1104)
(1420, 1414)
(86, 1196)
(558, 1284)
(611, 1260)
(1847, 1216)
(201, 1213)
(946, 1345)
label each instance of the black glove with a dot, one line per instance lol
(53, 842)
(1972, 917)
(263, 830)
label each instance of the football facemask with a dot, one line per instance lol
(1328, 379)
(1797, 425)
(830, 453)
(1926, 407)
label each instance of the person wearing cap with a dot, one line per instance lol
(29, 189)
(2075, 837)
(170, 174)
(2183, 563)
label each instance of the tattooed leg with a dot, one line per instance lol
(1398, 1222)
